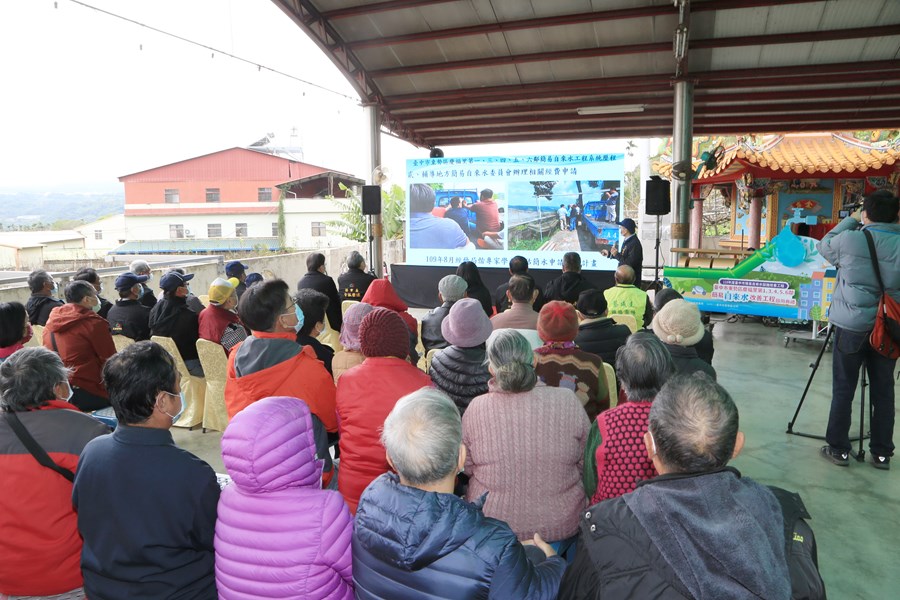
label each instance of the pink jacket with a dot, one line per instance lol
(279, 535)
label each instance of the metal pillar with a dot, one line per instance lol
(374, 230)
(697, 224)
(682, 138)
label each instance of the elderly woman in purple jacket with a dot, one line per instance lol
(278, 534)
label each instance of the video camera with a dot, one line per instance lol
(849, 209)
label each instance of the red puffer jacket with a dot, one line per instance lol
(366, 394)
(84, 344)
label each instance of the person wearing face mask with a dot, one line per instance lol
(270, 362)
(313, 304)
(129, 317)
(42, 549)
(140, 268)
(172, 317)
(90, 275)
(218, 321)
(42, 300)
(146, 508)
(81, 338)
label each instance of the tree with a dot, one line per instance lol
(631, 194)
(353, 223)
(282, 227)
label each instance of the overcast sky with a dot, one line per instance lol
(88, 97)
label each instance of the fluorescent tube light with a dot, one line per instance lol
(608, 110)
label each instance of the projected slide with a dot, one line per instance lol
(489, 209)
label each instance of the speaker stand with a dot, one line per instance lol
(656, 285)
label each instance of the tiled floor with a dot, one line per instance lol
(855, 510)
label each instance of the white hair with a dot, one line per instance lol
(422, 436)
(139, 266)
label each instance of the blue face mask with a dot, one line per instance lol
(299, 314)
(178, 414)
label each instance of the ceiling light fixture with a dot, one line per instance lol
(609, 110)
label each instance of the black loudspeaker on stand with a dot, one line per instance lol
(371, 200)
(860, 454)
(659, 202)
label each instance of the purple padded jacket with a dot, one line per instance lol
(279, 535)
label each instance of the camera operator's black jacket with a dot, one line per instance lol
(353, 284)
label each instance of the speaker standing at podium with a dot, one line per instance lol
(630, 251)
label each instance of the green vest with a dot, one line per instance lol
(627, 300)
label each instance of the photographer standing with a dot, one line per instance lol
(853, 310)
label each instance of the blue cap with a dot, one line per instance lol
(628, 224)
(235, 268)
(172, 281)
(126, 281)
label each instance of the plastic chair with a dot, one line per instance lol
(121, 342)
(37, 336)
(194, 388)
(347, 304)
(612, 384)
(626, 320)
(204, 299)
(429, 357)
(330, 337)
(215, 365)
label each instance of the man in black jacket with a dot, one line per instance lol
(90, 275)
(313, 305)
(518, 265)
(140, 267)
(171, 317)
(353, 284)
(597, 333)
(451, 289)
(129, 317)
(238, 270)
(317, 278)
(630, 251)
(699, 529)
(570, 284)
(41, 302)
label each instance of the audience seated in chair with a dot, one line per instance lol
(41, 545)
(518, 265)
(625, 298)
(81, 338)
(271, 363)
(128, 317)
(15, 330)
(354, 284)
(476, 289)
(413, 538)
(218, 322)
(570, 284)
(146, 508)
(460, 370)
(614, 460)
(90, 275)
(532, 486)
(656, 541)
(43, 297)
(365, 396)
(521, 294)
(561, 363)
(704, 347)
(382, 294)
(351, 355)
(678, 326)
(597, 333)
(276, 500)
(450, 289)
(314, 305)
(172, 317)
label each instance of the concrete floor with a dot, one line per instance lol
(854, 510)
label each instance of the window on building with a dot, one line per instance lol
(264, 194)
(214, 230)
(240, 230)
(318, 229)
(98, 234)
(274, 229)
(172, 197)
(176, 231)
(212, 194)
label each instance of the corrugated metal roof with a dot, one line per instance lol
(504, 70)
(197, 246)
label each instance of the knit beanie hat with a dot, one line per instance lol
(678, 323)
(220, 291)
(557, 322)
(350, 329)
(382, 332)
(452, 288)
(663, 297)
(466, 325)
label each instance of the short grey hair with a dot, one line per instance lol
(139, 266)
(643, 366)
(422, 436)
(27, 378)
(511, 360)
(355, 260)
(452, 288)
(694, 423)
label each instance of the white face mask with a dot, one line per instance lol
(652, 442)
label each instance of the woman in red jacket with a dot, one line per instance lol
(366, 394)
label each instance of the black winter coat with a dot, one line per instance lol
(632, 254)
(432, 337)
(567, 287)
(502, 302)
(409, 544)
(171, 317)
(602, 337)
(147, 297)
(460, 373)
(483, 295)
(314, 280)
(353, 284)
(687, 361)
(131, 319)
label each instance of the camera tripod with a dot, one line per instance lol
(860, 454)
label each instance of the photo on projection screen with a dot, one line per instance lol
(489, 209)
